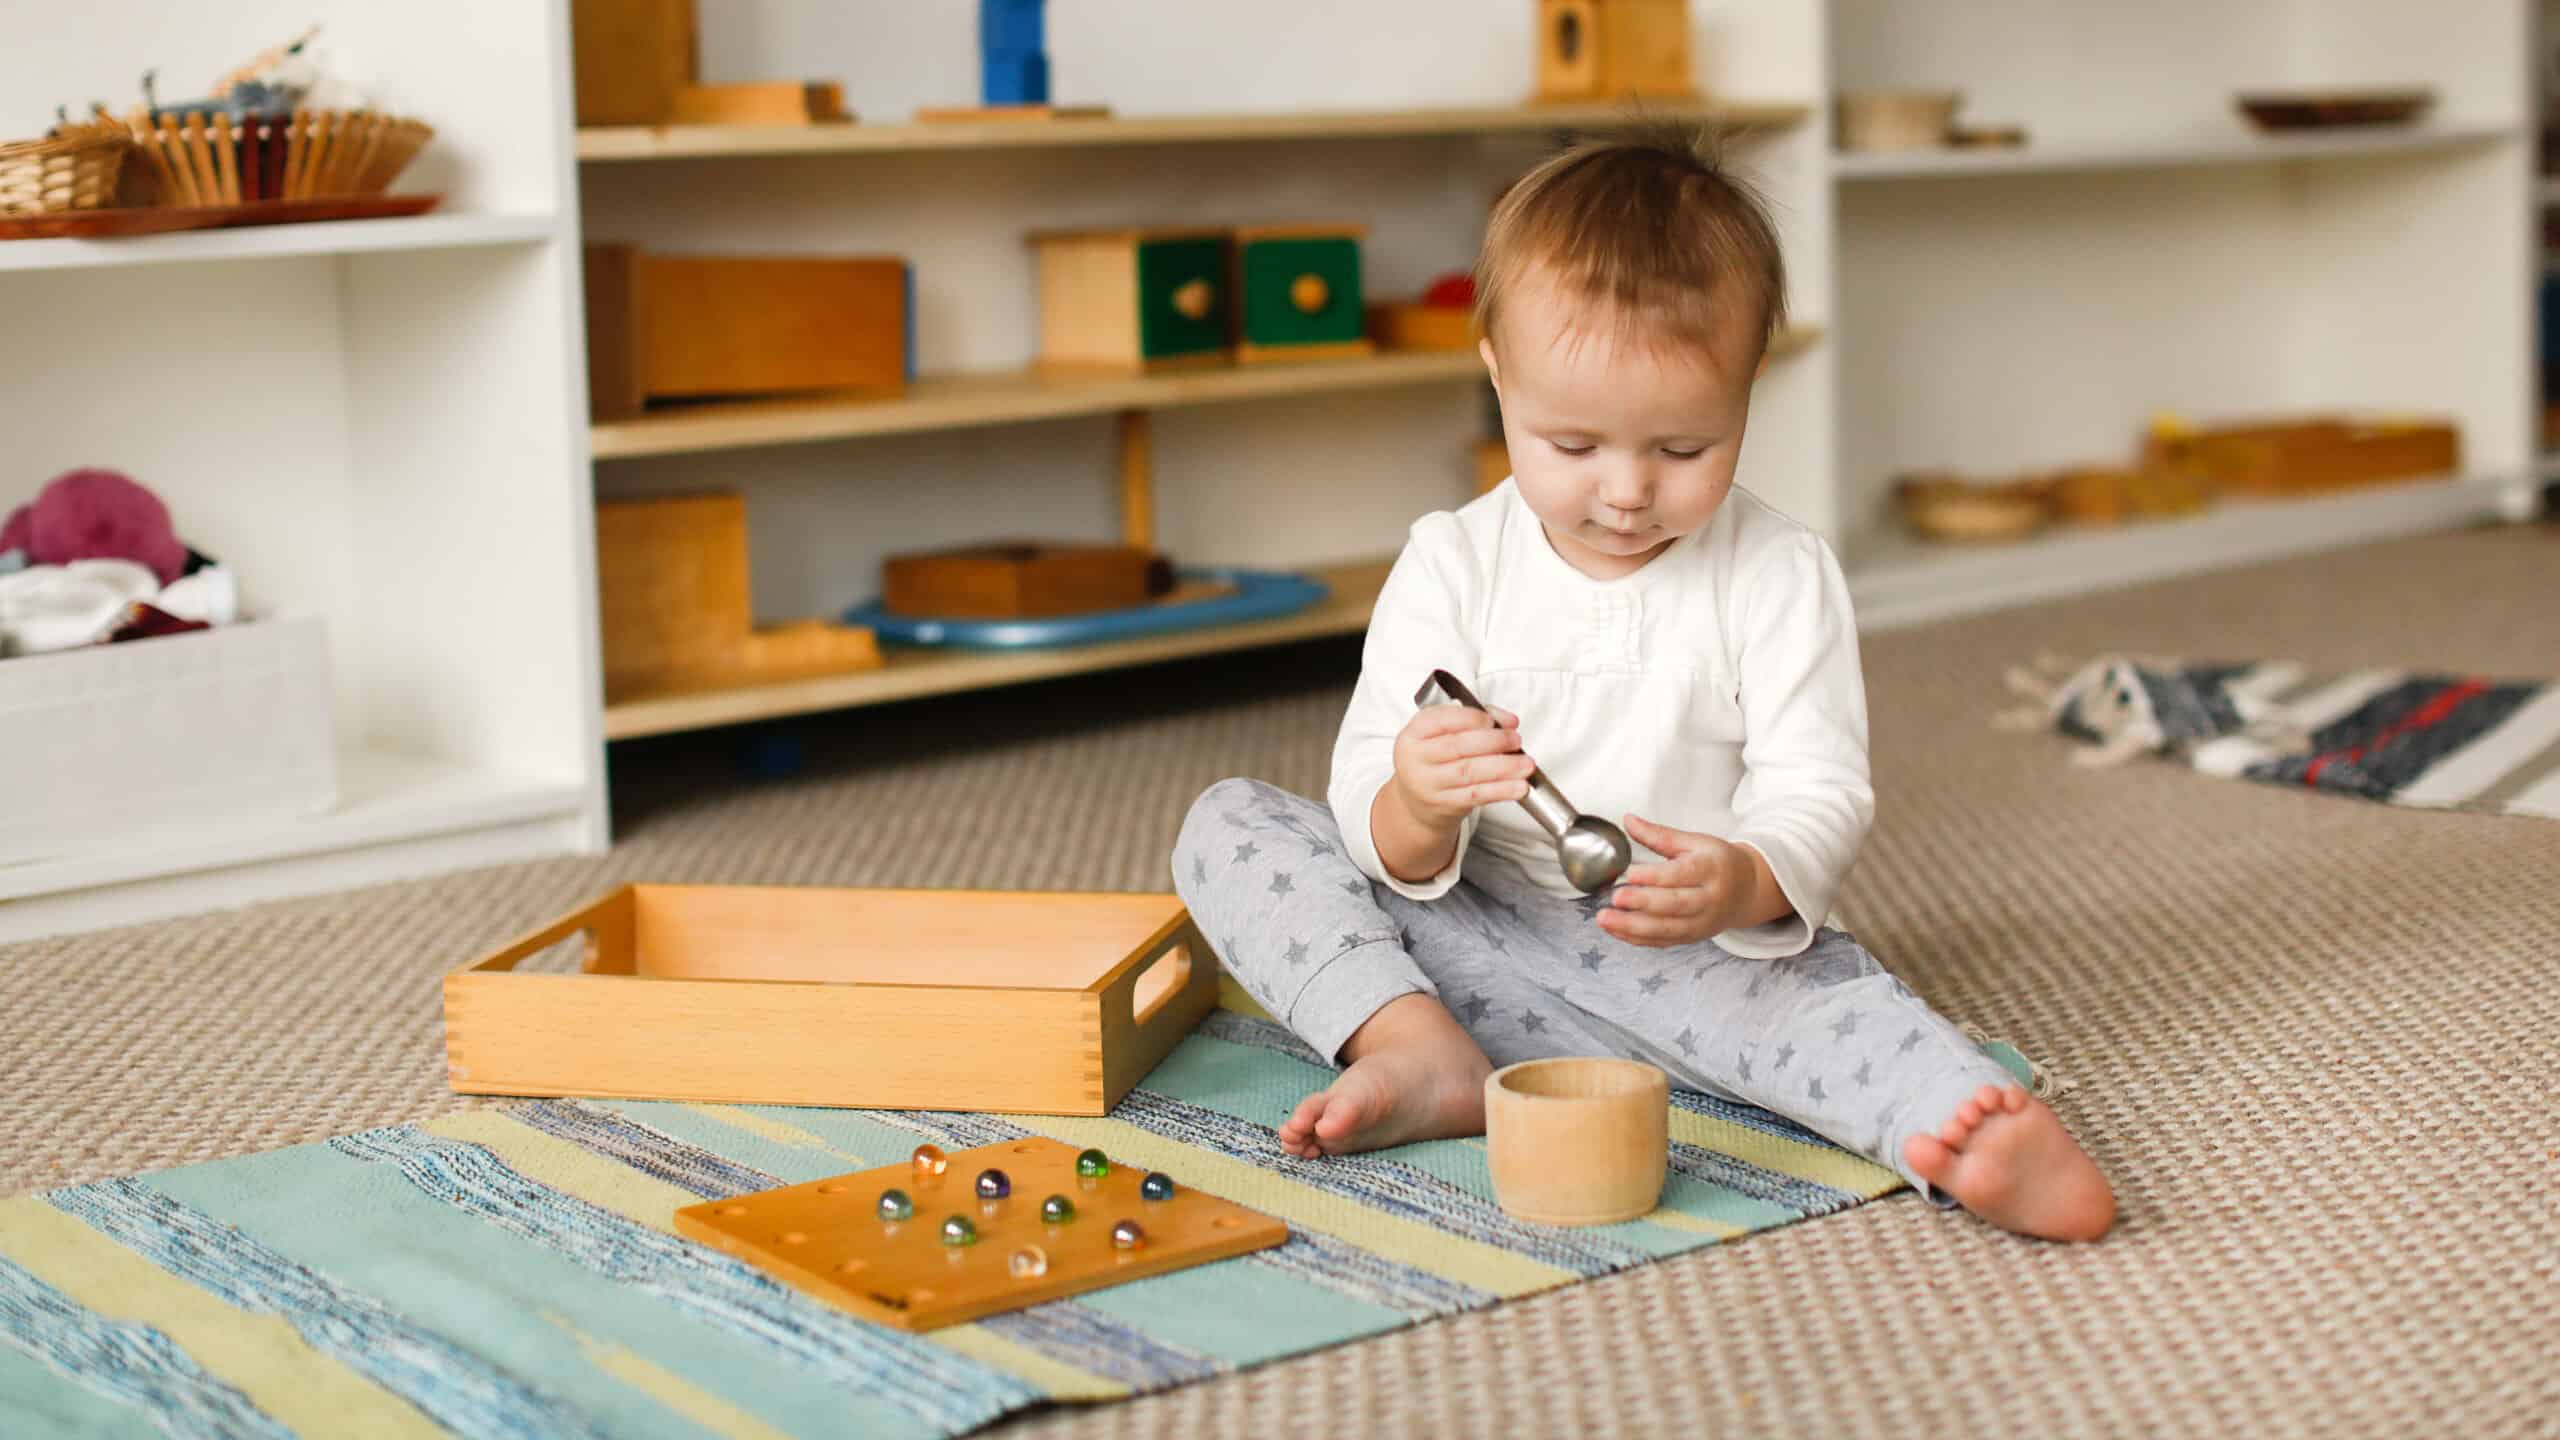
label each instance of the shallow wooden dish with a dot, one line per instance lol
(1944, 507)
(896, 999)
(1578, 1141)
(1897, 119)
(2324, 109)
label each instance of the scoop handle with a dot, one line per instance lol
(1544, 802)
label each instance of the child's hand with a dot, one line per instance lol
(1706, 887)
(1451, 759)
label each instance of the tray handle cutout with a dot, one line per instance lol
(606, 923)
(1160, 981)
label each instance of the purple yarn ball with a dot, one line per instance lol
(102, 515)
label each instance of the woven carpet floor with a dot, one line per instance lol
(2312, 1040)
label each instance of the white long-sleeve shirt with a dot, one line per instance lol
(1715, 690)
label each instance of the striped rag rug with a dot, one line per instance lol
(2440, 742)
(512, 1271)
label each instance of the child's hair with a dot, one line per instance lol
(1654, 231)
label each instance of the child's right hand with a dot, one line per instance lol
(1451, 759)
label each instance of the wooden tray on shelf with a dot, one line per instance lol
(2329, 109)
(162, 219)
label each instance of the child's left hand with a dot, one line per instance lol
(1706, 887)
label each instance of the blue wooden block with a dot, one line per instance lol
(1012, 27)
(1016, 80)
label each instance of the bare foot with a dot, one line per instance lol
(1414, 1075)
(2005, 1156)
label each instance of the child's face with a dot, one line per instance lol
(1619, 445)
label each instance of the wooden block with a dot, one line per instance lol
(1021, 581)
(633, 57)
(826, 1237)
(675, 611)
(768, 102)
(668, 327)
(911, 999)
(1130, 300)
(2285, 457)
(1600, 50)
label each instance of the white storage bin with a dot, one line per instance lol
(115, 746)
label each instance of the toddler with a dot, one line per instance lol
(1672, 650)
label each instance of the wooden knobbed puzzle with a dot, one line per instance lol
(948, 1238)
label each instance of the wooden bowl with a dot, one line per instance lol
(1578, 1141)
(1897, 119)
(1949, 507)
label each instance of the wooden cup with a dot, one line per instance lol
(1578, 1141)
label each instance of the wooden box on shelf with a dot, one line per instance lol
(1010, 1001)
(2299, 456)
(1411, 325)
(1134, 299)
(1023, 580)
(1298, 294)
(672, 595)
(632, 57)
(681, 326)
(1611, 49)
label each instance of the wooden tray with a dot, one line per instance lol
(161, 219)
(826, 1237)
(905, 999)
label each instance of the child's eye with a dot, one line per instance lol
(1577, 450)
(1684, 454)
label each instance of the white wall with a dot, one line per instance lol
(1277, 483)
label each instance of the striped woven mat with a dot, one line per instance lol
(2440, 742)
(512, 1271)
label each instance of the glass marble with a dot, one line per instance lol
(1157, 1186)
(959, 1230)
(994, 1185)
(1092, 1163)
(894, 1205)
(929, 1160)
(1128, 1235)
(1057, 1209)
(1028, 1263)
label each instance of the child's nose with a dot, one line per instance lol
(1626, 487)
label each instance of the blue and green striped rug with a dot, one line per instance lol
(513, 1271)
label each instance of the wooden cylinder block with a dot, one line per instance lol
(1578, 1141)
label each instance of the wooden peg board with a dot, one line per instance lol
(826, 1237)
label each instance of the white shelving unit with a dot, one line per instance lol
(384, 423)
(380, 423)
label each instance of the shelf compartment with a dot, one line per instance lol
(1896, 581)
(960, 401)
(911, 674)
(259, 242)
(385, 797)
(663, 142)
(2163, 154)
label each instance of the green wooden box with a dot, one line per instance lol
(1134, 298)
(1298, 292)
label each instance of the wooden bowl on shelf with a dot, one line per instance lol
(2328, 109)
(1942, 506)
(1897, 119)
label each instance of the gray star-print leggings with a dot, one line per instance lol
(1825, 1038)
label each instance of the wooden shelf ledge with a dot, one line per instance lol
(910, 674)
(954, 402)
(666, 142)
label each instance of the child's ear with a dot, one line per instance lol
(1492, 368)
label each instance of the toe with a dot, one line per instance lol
(1928, 1159)
(2013, 1099)
(1342, 1115)
(1970, 1112)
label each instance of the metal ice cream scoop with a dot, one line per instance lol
(1593, 852)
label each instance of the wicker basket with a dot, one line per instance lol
(199, 159)
(74, 169)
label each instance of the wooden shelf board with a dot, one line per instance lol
(259, 242)
(660, 142)
(952, 402)
(2162, 154)
(1897, 580)
(384, 797)
(912, 673)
